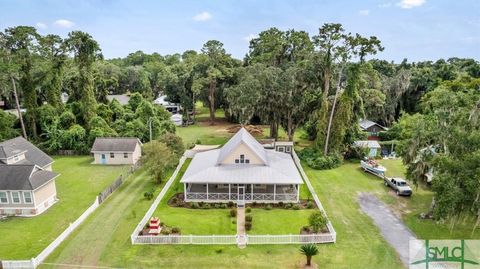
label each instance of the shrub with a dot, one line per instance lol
(201, 204)
(306, 229)
(234, 221)
(248, 218)
(254, 203)
(166, 231)
(295, 207)
(175, 230)
(280, 204)
(248, 226)
(217, 205)
(223, 206)
(248, 209)
(233, 212)
(194, 205)
(198, 141)
(309, 205)
(317, 221)
(174, 200)
(288, 206)
(218, 250)
(148, 195)
(207, 206)
(230, 204)
(162, 224)
(268, 207)
(317, 160)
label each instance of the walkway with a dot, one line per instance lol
(242, 241)
(392, 228)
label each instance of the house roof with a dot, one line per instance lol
(123, 144)
(121, 98)
(204, 169)
(367, 144)
(365, 124)
(18, 145)
(23, 177)
(243, 137)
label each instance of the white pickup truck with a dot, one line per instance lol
(399, 185)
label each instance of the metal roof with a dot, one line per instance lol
(365, 124)
(18, 145)
(243, 137)
(204, 169)
(367, 144)
(111, 144)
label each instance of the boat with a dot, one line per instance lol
(373, 167)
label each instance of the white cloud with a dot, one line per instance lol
(62, 23)
(204, 16)
(41, 25)
(385, 5)
(364, 12)
(410, 3)
(250, 37)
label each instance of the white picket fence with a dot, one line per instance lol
(21, 264)
(153, 207)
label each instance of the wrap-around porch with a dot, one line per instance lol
(242, 193)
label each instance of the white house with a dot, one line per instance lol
(27, 183)
(242, 171)
(177, 119)
(170, 107)
(116, 150)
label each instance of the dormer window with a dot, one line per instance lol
(16, 158)
(242, 159)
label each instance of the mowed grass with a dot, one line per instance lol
(77, 186)
(279, 221)
(193, 221)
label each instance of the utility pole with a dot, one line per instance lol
(150, 127)
(20, 117)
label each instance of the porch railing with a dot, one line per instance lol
(248, 196)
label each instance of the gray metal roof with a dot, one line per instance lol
(19, 144)
(365, 124)
(112, 144)
(243, 136)
(121, 98)
(367, 144)
(23, 177)
(204, 169)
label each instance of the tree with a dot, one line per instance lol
(174, 143)
(7, 123)
(317, 221)
(157, 158)
(309, 251)
(86, 51)
(54, 51)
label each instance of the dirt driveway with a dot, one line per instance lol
(392, 228)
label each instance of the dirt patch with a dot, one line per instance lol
(302, 265)
(252, 129)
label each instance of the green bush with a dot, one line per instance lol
(248, 218)
(219, 250)
(317, 221)
(280, 204)
(268, 207)
(148, 195)
(287, 206)
(234, 221)
(316, 160)
(174, 200)
(248, 209)
(296, 207)
(217, 206)
(223, 206)
(207, 206)
(233, 212)
(175, 230)
(309, 205)
(248, 226)
(166, 231)
(194, 205)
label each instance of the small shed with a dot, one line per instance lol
(372, 128)
(372, 145)
(116, 150)
(177, 119)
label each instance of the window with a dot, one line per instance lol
(15, 197)
(112, 155)
(125, 155)
(287, 149)
(16, 158)
(247, 161)
(237, 161)
(281, 149)
(3, 197)
(242, 158)
(27, 197)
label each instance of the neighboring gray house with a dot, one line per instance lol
(373, 147)
(116, 150)
(27, 184)
(372, 128)
(242, 171)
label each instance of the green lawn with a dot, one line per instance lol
(279, 221)
(78, 184)
(193, 221)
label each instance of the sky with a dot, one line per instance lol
(413, 29)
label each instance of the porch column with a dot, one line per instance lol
(251, 192)
(185, 191)
(229, 191)
(207, 191)
(274, 191)
(298, 192)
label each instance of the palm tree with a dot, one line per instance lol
(309, 251)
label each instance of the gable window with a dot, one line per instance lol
(3, 197)
(125, 155)
(247, 161)
(237, 161)
(16, 158)
(27, 197)
(242, 158)
(287, 149)
(15, 197)
(112, 155)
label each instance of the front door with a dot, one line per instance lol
(103, 159)
(241, 193)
